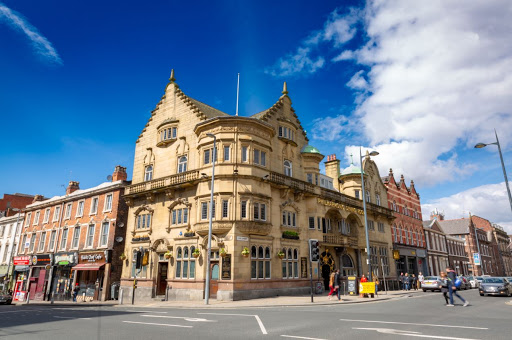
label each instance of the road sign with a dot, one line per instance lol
(476, 258)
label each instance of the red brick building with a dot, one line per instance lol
(407, 232)
(499, 242)
(9, 203)
(75, 239)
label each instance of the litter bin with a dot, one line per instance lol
(114, 290)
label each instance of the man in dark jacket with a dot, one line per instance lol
(337, 283)
(452, 289)
(401, 280)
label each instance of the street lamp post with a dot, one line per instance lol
(368, 260)
(209, 250)
(482, 145)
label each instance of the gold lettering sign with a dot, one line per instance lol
(396, 254)
(340, 206)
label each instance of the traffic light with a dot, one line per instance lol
(145, 258)
(314, 251)
(138, 259)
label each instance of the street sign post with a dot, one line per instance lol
(476, 259)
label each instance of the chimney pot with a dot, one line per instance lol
(119, 174)
(72, 187)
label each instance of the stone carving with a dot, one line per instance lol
(217, 227)
(254, 228)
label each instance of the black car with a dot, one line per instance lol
(5, 298)
(495, 286)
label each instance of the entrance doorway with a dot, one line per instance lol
(162, 278)
(326, 272)
(214, 279)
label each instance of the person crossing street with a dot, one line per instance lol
(452, 289)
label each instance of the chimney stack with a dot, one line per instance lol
(119, 174)
(72, 187)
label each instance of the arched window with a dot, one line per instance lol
(260, 262)
(347, 265)
(288, 168)
(185, 263)
(182, 164)
(148, 173)
(290, 264)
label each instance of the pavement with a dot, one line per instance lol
(278, 301)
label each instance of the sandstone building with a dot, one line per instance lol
(268, 201)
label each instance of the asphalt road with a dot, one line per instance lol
(421, 316)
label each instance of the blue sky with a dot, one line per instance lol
(419, 83)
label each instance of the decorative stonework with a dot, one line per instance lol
(254, 228)
(217, 227)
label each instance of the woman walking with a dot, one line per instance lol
(331, 285)
(444, 286)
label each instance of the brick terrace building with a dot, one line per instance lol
(76, 238)
(407, 231)
(457, 256)
(436, 247)
(465, 229)
(499, 240)
(10, 203)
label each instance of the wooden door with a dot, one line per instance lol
(214, 282)
(162, 278)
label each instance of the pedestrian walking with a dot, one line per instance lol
(75, 292)
(414, 282)
(377, 286)
(407, 281)
(331, 285)
(452, 290)
(401, 281)
(444, 286)
(337, 283)
(421, 278)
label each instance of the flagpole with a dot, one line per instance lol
(237, 92)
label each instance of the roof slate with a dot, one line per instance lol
(455, 227)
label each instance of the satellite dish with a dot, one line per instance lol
(109, 177)
(119, 239)
(120, 224)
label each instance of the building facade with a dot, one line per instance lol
(457, 256)
(478, 243)
(437, 250)
(75, 240)
(267, 204)
(407, 232)
(9, 239)
(10, 204)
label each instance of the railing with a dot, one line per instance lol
(291, 182)
(338, 196)
(341, 240)
(180, 178)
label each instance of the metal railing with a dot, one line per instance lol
(291, 182)
(163, 182)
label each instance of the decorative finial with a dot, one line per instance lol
(390, 171)
(172, 79)
(285, 90)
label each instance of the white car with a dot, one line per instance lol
(473, 281)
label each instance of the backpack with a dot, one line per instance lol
(458, 283)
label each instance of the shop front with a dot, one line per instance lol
(21, 269)
(90, 274)
(63, 277)
(411, 260)
(39, 277)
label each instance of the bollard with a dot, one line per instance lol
(121, 296)
(167, 293)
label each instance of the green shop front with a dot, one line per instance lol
(62, 285)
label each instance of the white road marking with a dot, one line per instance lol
(300, 337)
(23, 311)
(179, 317)
(69, 317)
(263, 330)
(410, 333)
(414, 324)
(158, 324)
(143, 311)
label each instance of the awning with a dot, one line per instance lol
(88, 266)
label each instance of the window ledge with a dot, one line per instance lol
(164, 143)
(288, 141)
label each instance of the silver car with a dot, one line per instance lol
(431, 283)
(495, 286)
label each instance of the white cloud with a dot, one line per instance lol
(330, 128)
(40, 44)
(337, 30)
(438, 80)
(487, 201)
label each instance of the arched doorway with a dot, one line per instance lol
(327, 264)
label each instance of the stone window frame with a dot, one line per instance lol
(53, 237)
(42, 242)
(167, 133)
(290, 263)
(46, 217)
(91, 212)
(106, 208)
(200, 210)
(106, 221)
(80, 212)
(136, 214)
(56, 213)
(67, 215)
(76, 227)
(262, 158)
(180, 260)
(27, 219)
(63, 241)
(228, 146)
(182, 166)
(179, 203)
(88, 236)
(288, 170)
(148, 175)
(37, 216)
(261, 259)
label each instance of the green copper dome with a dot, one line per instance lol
(310, 149)
(351, 170)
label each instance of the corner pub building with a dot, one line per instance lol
(269, 199)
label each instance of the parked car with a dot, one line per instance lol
(5, 298)
(465, 283)
(495, 286)
(473, 281)
(431, 283)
